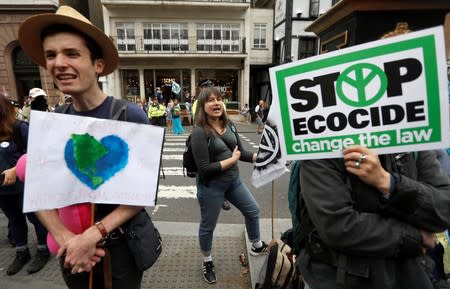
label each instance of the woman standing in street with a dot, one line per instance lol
(177, 127)
(217, 149)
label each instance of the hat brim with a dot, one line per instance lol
(31, 42)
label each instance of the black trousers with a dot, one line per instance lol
(12, 206)
(158, 121)
(125, 275)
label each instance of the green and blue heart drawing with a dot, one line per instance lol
(94, 162)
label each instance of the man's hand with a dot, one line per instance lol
(365, 164)
(81, 251)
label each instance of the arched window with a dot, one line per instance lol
(26, 73)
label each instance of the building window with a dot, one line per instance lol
(218, 37)
(225, 80)
(307, 47)
(259, 35)
(165, 37)
(314, 8)
(126, 40)
(130, 84)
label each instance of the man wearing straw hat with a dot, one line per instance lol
(76, 53)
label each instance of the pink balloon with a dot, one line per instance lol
(20, 167)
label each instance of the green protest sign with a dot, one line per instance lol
(390, 95)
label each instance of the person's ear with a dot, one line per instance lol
(99, 65)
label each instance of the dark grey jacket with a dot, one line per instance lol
(220, 149)
(380, 237)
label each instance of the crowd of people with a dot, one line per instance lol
(71, 46)
(372, 217)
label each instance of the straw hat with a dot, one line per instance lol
(31, 42)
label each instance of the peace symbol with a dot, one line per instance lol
(367, 83)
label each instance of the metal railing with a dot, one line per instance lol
(212, 1)
(141, 45)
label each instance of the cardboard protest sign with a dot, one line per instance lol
(390, 95)
(73, 159)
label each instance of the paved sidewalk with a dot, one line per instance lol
(178, 266)
(269, 231)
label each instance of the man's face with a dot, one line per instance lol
(68, 61)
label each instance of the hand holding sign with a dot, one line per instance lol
(365, 164)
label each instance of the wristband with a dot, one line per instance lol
(102, 230)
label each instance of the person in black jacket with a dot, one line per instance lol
(217, 149)
(373, 217)
(380, 224)
(11, 192)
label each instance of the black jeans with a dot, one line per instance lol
(124, 273)
(12, 206)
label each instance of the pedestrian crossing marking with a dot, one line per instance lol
(177, 192)
(172, 157)
(174, 149)
(173, 171)
(175, 144)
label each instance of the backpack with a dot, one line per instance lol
(278, 267)
(118, 109)
(189, 166)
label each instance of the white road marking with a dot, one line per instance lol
(157, 208)
(175, 144)
(173, 171)
(176, 136)
(180, 149)
(177, 192)
(173, 157)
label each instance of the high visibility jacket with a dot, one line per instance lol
(156, 110)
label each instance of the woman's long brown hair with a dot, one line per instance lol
(201, 118)
(7, 118)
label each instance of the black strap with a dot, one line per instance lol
(340, 271)
(233, 129)
(17, 137)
